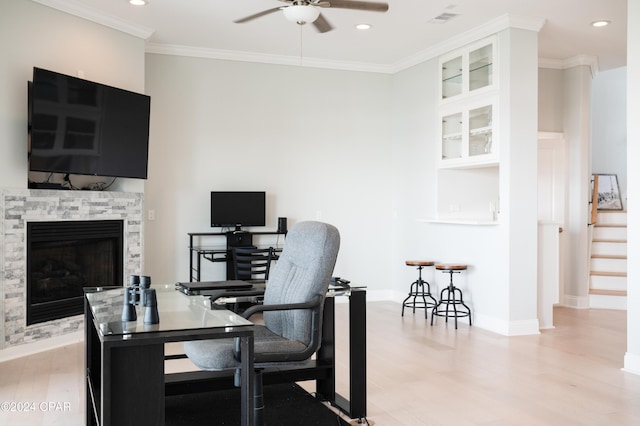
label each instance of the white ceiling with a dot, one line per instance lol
(397, 38)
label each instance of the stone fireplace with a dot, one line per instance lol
(21, 210)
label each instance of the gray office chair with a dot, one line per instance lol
(251, 263)
(292, 309)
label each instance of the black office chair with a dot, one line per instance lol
(292, 310)
(250, 263)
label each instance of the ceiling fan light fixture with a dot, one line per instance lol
(363, 26)
(301, 14)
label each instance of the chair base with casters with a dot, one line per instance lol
(420, 289)
(451, 298)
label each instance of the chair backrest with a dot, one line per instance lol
(302, 273)
(250, 263)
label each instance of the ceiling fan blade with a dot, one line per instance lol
(369, 6)
(322, 25)
(257, 15)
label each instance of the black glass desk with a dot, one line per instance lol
(124, 362)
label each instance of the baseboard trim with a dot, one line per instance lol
(577, 302)
(507, 328)
(41, 346)
(631, 363)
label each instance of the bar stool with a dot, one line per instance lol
(448, 297)
(419, 288)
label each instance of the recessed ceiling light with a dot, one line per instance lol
(600, 23)
(363, 26)
(137, 2)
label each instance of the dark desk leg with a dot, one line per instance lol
(358, 353)
(132, 384)
(246, 381)
(92, 364)
(356, 405)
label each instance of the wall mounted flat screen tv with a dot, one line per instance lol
(80, 127)
(239, 208)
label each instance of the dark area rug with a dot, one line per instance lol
(285, 405)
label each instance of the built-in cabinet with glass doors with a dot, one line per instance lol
(468, 133)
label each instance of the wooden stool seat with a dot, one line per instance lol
(419, 289)
(419, 263)
(451, 267)
(451, 296)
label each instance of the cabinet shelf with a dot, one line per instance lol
(483, 65)
(452, 136)
(481, 131)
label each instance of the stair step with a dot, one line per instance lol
(618, 248)
(609, 264)
(610, 232)
(609, 274)
(607, 292)
(600, 301)
(616, 217)
(609, 256)
(607, 282)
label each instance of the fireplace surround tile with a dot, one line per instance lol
(19, 206)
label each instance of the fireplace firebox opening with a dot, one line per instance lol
(63, 257)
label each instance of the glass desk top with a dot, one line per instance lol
(176, 311)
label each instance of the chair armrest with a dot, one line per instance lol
(313, 303)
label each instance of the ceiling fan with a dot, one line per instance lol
(307, 11)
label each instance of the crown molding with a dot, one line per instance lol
(232, 55)
(98, 17)
(563, 64)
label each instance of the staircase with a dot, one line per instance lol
(608, 266)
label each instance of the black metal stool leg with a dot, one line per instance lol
(419, 289)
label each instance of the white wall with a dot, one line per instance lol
(317, 141)
(632, 357)
(414, 123)
(609, 126)
(550, 100)
(35, 35)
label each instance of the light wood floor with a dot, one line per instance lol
(421, 375)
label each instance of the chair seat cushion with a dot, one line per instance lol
(217, 354)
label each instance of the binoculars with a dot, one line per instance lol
(139, 293)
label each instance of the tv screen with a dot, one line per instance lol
(237, 209)
(86, 128)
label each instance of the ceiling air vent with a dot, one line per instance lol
(443, 18)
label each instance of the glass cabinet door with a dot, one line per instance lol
(480, 131)
(452, 136)
(452, 77)
(480, 67)
(469, 69)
